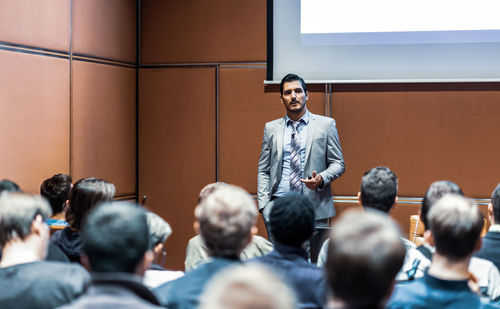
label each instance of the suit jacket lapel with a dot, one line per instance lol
(310, 133)
(279, 142)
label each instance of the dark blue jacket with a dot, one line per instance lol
(307, 280)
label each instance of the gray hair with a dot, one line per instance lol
(17, 212)
(226, 218)
(158, 228)
(247, 287)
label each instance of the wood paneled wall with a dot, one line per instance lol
(423, 132)
(68, 97)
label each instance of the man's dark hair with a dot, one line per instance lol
(436, 190)
(56, 190)
(495, 201)
(85, 194)
(365, 253)
(379, 188)
(292, 219)
(455, 223)
(8, 186)
(17, 212)
(115, 237)
(291, 78)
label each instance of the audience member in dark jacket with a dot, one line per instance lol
(491, 241)
(117, 246)
(85, 194)
(26, 281)
(292, 223)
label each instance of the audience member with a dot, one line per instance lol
(159, 230)
(364, 256)
(196, 251)
(116, 244)
(455, 227)
(8, 186)
(292, 223)
(225, 219)
(491, 241)
(379, 190)
(26, 281)
(85, 194)
(485, 273)
(248, 286)
(56, 190)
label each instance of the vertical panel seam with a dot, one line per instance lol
(217, 122)
(71, 118)
(137, 65)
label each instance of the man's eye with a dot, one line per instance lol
(287, 92)
(298, 90)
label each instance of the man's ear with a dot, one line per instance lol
(84, 260)
(254, 230)
(491, 217)
(38, 225)
(196, 226)
(479, 244)
(145, 263)
(429, 238)
(307, 95)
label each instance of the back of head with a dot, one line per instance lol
(85, 194)
(456, 224)
(495, 201)
(226, 217)
(209, 189)
(437, 190)
(115, 237)
(8, 186)
(292, 219)
(158, 228)
(364, 255)
(250, 286)
(379, 188)
(56, 190)
(291, 78)
(17, 212)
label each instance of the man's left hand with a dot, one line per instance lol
(314, 181)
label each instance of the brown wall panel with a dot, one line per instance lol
(105, 29)
(423, 136)
(203, 31)
(104, 130)
(244, 108)
(37, 23)
(176, 147)
(35, 118)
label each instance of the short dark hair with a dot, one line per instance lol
(17, 212)
(115, 237)
(379, 188)
(292, 219)
(365, 253)
(7, 185)
(56, 190)
(456, 224)
(436, 190)
(495, 201)
(85, 194)
(291, 78)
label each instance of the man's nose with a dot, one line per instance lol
(294, 95)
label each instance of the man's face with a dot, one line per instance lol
(294, 97)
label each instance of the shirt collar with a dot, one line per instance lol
(304, 118)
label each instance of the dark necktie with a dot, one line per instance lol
(295, 164)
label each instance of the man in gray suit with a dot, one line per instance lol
(300, 153)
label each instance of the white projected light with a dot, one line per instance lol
(387, 40)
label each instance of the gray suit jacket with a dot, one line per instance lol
(323, 155)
